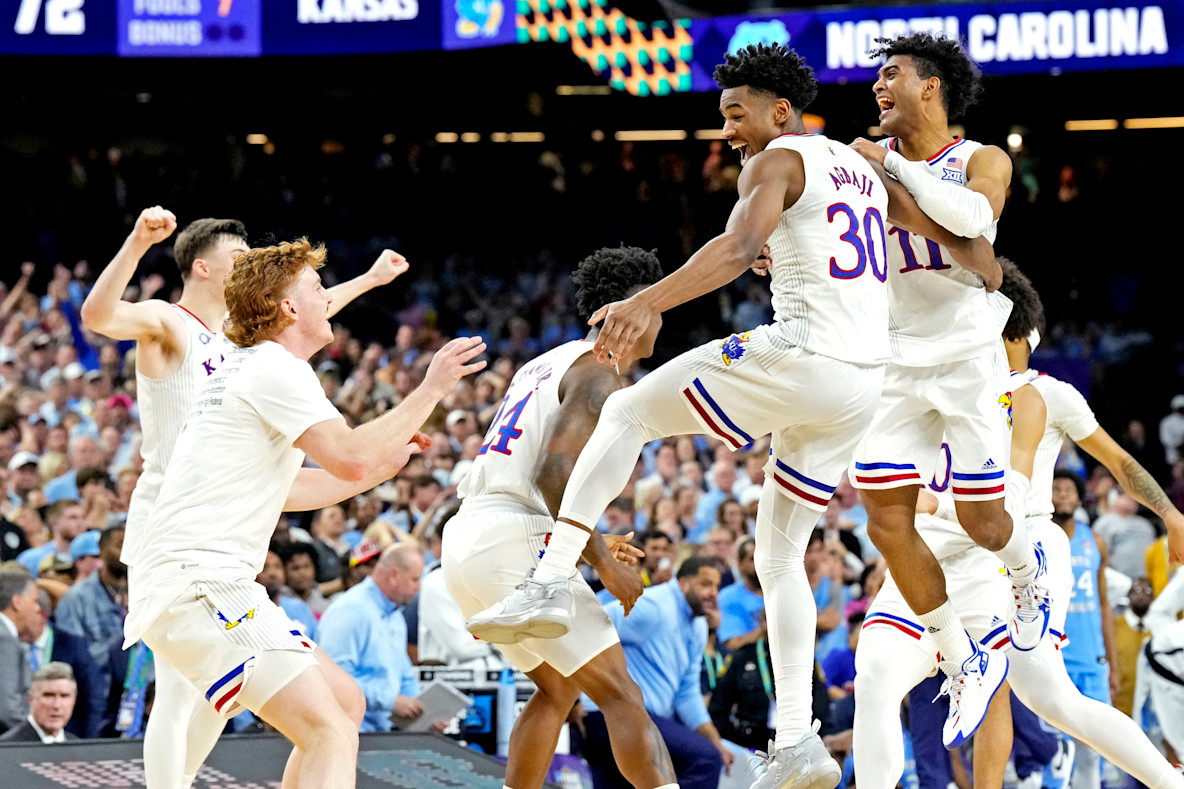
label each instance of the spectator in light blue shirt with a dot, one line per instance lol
(365, 633)
(664, 637)
(742, 605)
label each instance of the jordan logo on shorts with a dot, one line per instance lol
(733, 348)
(231, 625)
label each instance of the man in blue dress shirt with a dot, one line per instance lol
(663, 638)
(365, 633)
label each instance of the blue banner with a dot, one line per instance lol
(1002, 37)
(1022, 37)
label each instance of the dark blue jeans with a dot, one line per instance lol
(696, 761)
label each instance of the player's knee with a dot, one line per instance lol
(990, 526)
(614, 697)
(353, 702)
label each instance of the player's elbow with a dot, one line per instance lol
(742, 250)
(350, 468)
(93, 317)
(992, 278)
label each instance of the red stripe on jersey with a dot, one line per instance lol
(897, 625)
(799, 492)
(228, 696)
(710, 423)
(944, 151)
(889, 478)
(978, 491)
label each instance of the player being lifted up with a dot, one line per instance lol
(946, 359)
(811, 378)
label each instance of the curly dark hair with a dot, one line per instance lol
(609, 274)
(941, 57)
(1027, 311)
(771, 68)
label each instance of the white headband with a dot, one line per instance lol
(1033, 340)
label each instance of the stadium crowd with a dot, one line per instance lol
(69, 460)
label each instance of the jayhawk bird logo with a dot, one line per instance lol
(1005, 401)
(733, 347)
(231, 625)
(479, 17)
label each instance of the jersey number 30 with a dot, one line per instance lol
(865, 247)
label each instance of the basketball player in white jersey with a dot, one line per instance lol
(178, 347)
(894, 651)
(236, 466)
(811, 378)
(509, 501)
(946, 356)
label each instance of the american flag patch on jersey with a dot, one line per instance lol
(954, 162)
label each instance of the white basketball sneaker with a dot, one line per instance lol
(806, 765)
(1033, 605)
(971, 690)
(532, 610)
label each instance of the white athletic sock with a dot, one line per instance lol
(667, 786)
(563, 551)
(782, 530)
(1040, 681)
(1019, 555)
(946, 630)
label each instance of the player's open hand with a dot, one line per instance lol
(390, 264)
(763, 262)
(453, 362)
(154, 225)
(624, 322)
(869, 150)
(621, 549)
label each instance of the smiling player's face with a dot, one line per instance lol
(752, 119)
(311, 303)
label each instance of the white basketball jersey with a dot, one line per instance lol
(505, 464)
(1069, 415)
(164, 404)
(939, 312)
(829, 267)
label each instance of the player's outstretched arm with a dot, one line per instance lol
(385, 269)
(355, 454)
(976, 255)
(1138, 482)
(768, 181)
(105, 312)
(964, 209)
(315, 488)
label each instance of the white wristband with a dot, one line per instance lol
(962, 211)
(1016, 497)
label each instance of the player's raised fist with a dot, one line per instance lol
(155, 224)
(390, 264)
